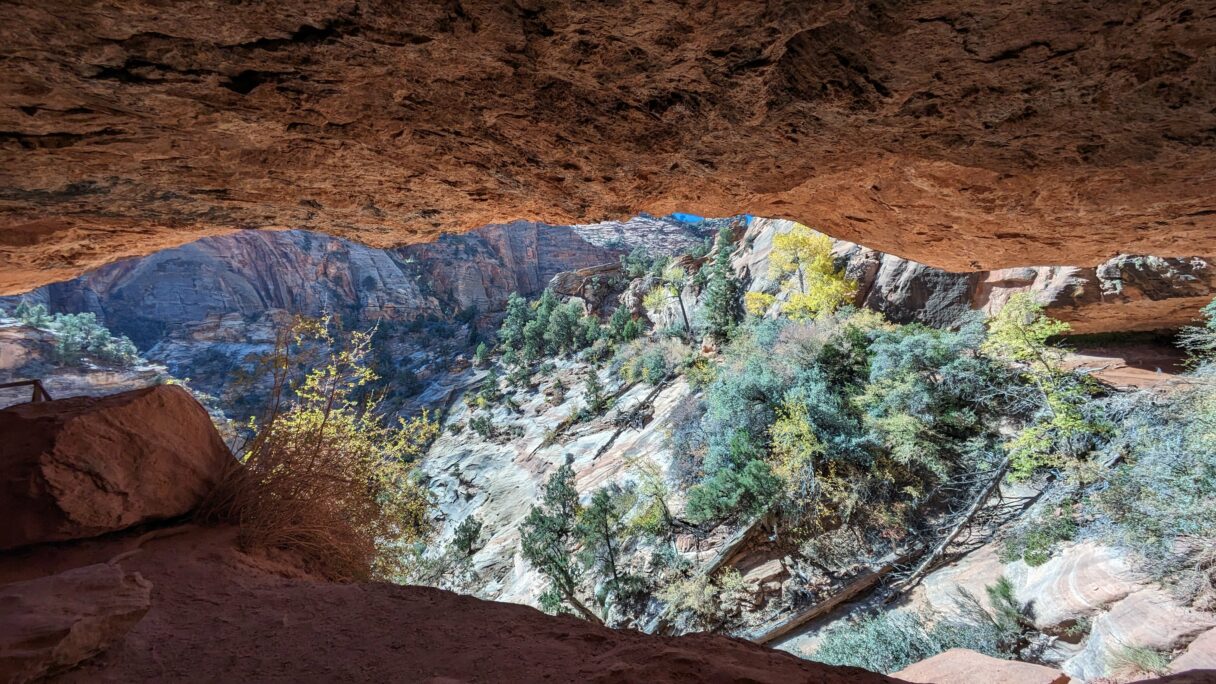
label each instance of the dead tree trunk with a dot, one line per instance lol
(938, 551)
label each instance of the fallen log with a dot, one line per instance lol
(938, 551)
(857, 586)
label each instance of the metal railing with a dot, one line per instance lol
(40, 393)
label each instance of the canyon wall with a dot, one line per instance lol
(967, 136)
(1123, 294)
(205, 309)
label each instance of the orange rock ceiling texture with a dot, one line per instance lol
(966, 135)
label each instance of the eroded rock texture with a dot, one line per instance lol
(964, 135)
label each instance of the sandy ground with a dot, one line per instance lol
(1130, 365)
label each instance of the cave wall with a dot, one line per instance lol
(964, 135)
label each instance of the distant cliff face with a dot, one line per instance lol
(204, 308)
(255, 272)
(247, 274)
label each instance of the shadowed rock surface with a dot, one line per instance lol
(84, 466)
(968, 136)
(219, 614)
(56, 622)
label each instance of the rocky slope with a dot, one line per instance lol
(181, 603)
(963, 135)
(499, 476)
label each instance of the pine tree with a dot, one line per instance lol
(600, 527)
(511, 333)
(597, 399)
(547, 539)
(534, 343)
(616, 324)
(561, 335)
(481, 355)
(722, 292)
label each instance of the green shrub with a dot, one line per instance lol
(711, 603)
(483, 425)
(78, 335)
(1161, 501)
(889, 642)
(650, 367)
(728, 493)
(1035, 541)
(622, 327)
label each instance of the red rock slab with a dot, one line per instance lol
(964, 666)
(53, 623)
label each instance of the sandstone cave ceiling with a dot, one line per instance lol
(964, 135)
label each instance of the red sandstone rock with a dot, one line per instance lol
(1199, 655)
(53, 623)
(966, 135)
(222, 615)
(963, 666)
(85, 466)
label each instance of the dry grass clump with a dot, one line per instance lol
(325, 475)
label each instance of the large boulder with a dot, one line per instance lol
(1199, 655)
(963, 666)
(85, 466)
(52, 623)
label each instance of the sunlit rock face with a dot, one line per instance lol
(205, 309)
(1125, 293)
(964, 135)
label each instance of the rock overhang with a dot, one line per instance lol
(968, 136)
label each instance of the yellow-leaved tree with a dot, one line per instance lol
(1020, 334)
(802, 259)
(326, 474)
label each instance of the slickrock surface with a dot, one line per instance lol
(52, 623)
(1084, 583)
(962, 666)
(221, 615)
(84, 466)
(965, 135)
